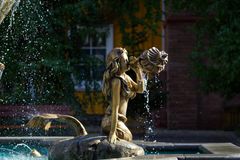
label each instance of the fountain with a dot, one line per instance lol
(118, 88)
(116, 139)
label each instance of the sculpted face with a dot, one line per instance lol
(163, 59)
(124, 62)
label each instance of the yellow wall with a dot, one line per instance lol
(92, 103)
(153, 39)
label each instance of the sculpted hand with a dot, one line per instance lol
(112, 138)
(134, 64)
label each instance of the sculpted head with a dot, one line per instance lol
(116, 63)
(117, 60)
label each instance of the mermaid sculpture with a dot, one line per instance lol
(118, 88)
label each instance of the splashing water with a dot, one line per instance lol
(148, 122)
(23, 39)
(22, 145)
(14, 8)
(6, 150)
(19, 152)
(5, 7)
(155, 88)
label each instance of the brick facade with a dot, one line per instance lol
(187, 107)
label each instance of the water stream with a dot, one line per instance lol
(22, 145)
(154, 87)
(148, 122)
(20, 151)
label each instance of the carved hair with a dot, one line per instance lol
(112, 68)
(152, 60)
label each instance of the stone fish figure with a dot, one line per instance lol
(153, 61)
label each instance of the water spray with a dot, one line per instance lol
(152, 62)
(33, 152)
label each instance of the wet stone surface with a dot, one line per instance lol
(93, 147)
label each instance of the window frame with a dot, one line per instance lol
(108, 47)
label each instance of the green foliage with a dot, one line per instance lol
(216, 59)
(36, 69)
(137, 19)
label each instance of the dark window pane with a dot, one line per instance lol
(83, 72)
(86, 42)
(100, 54)
(98, 72)
(99, 40)
(85, 51)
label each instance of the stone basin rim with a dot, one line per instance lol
(49, 140)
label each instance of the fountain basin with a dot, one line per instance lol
(177, 151)
(189, 151)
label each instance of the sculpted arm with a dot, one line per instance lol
(140, 82)
(139, 85)
(116, 85)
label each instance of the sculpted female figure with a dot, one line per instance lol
(118, 88)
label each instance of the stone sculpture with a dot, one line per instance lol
(153, 61)
(83, 146)
(44, 121)
(118, 88)
(5, 7)
(2, 67)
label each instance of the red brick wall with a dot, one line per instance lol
(187, 108)
(211, 112)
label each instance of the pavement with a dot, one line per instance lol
(193, 136)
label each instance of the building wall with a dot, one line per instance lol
(187, 107)
(152, 40)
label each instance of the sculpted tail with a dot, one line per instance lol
(44, 121)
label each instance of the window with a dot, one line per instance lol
(94, 50)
